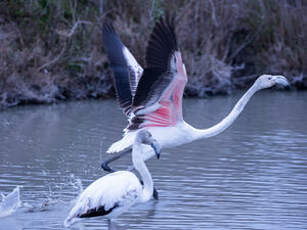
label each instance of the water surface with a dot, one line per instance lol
(252, 176)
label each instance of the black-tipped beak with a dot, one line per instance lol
(282, 81)
(156, 147)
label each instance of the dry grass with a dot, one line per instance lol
(51, 50)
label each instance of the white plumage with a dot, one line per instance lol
(157, 104)
(115, 189)
(183, 133)
(114, 193)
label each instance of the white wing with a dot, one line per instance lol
(135, 70)
(116, 190)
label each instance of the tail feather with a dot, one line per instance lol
(122, 145)
(73, 215)
(70, 220)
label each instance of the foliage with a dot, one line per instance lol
(51, 50)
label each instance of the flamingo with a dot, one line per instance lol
(151, 98)
(116, 192)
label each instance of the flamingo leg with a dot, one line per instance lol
(155, 194)
(111, 225)
(104, 165)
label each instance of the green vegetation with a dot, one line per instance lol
(51, 50)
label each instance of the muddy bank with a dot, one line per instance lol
(51, 50)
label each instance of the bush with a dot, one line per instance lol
(51, 50)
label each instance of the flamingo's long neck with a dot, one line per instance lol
(229, 119)
(141, 167)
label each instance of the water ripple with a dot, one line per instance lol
(253, 176)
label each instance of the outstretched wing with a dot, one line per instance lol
(158, 98)
(126, 69)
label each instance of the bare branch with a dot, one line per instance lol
(54, 60)
(213, 13)
(69, 34)
(101, 7)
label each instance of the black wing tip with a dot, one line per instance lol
(165, 29)
(114, 49)
(167, 23)
(100, 211)
(161, 46)
(107, 28)
(162, 43)
(110, 38)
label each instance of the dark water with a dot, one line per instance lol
(252, 176)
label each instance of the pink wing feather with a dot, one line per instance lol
(158, 98)
(168, 108)
(169, 111)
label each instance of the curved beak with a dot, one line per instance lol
(156, 147)
(281, 80)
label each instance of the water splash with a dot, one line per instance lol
(76, 183)
(10, 203)
(41, 206)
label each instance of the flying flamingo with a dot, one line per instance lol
(114, 193)
(152, 98)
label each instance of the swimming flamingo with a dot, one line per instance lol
(114, 193)
(152, 98)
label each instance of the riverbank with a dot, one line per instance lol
(51, 50)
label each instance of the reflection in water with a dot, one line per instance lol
(253, 176)
(112, 225)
